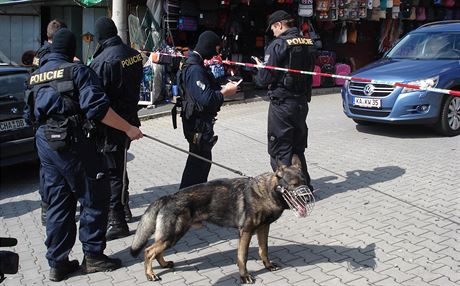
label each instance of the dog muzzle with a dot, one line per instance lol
(300, 200)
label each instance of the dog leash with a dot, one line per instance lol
(197, 156)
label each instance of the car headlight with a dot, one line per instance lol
(424, 83)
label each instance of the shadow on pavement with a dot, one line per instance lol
(398, 131)
(356, 180)
(19, 179)
(286, 256)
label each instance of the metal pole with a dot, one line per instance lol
(120, 18)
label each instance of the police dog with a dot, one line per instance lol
(249, 204)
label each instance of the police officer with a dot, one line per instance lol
(202, 99)
(120, 68)
(67, 102)
(289, 92)
(51, 29)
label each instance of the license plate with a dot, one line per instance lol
(12, 124)
(367, 102)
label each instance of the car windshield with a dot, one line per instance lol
(12, 85)
(427, 46)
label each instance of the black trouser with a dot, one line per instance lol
(196, 171)
(288, 132)
(116, 168)
(79, 174)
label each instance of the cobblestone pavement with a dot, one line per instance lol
(387, 214)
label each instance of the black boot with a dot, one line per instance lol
(117, 227)
(99, 263)
(44, 208)
(127, 211)
(63, 270)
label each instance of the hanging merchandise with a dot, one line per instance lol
(342, 37)
(306, 8)
(352, 34)
(216, 66)
(146, 85)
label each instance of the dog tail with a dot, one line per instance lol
(146, 228)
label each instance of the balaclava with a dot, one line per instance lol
(105, 29)
(64, 42)
(206, 45)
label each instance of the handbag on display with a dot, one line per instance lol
(352, 34)
(342, 39)
(306, 8)
(421, 16)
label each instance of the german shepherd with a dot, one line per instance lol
(249, 204)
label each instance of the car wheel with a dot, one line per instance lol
(449, 120)
(362, 122)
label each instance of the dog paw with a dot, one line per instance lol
(169, 264)
(153, 277)
(247, 279)
(273, 267)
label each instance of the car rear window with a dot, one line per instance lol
(13, 85)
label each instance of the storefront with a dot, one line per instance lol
(349, 33)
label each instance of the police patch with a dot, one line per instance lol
(200, 85)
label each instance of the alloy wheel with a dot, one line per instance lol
(453, 116)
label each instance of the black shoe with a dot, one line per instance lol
(99, 263)
(62, 271)
(117, 230)
(127, 211)
(44, 208)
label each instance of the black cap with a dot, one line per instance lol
(278, 16)
(64, 42)
(105, 29)
(207, 43)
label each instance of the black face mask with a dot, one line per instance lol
(207, 43)
(64, 42)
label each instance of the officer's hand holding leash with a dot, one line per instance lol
(114, 120)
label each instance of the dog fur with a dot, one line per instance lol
(248, 204)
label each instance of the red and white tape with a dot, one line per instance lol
(360, 79)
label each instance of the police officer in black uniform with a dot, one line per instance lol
(289, 92)
(67, 102)
(51, 29)
(202, 99)
(120, 69)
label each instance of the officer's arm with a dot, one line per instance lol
(95, 104)
(266, 76)
(114, 120)
(200, 87)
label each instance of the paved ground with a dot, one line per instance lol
(388, 212)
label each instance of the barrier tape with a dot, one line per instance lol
(351, 78)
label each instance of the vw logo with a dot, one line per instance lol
(14, 110)
(369, 89)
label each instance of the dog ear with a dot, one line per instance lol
(296, 162)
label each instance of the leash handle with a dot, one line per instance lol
(197, 156)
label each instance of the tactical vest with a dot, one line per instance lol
(298, 58)
(61, 80)
(123, 89)
(188, 105)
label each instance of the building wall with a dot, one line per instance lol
(19, 31)
(22, 27)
